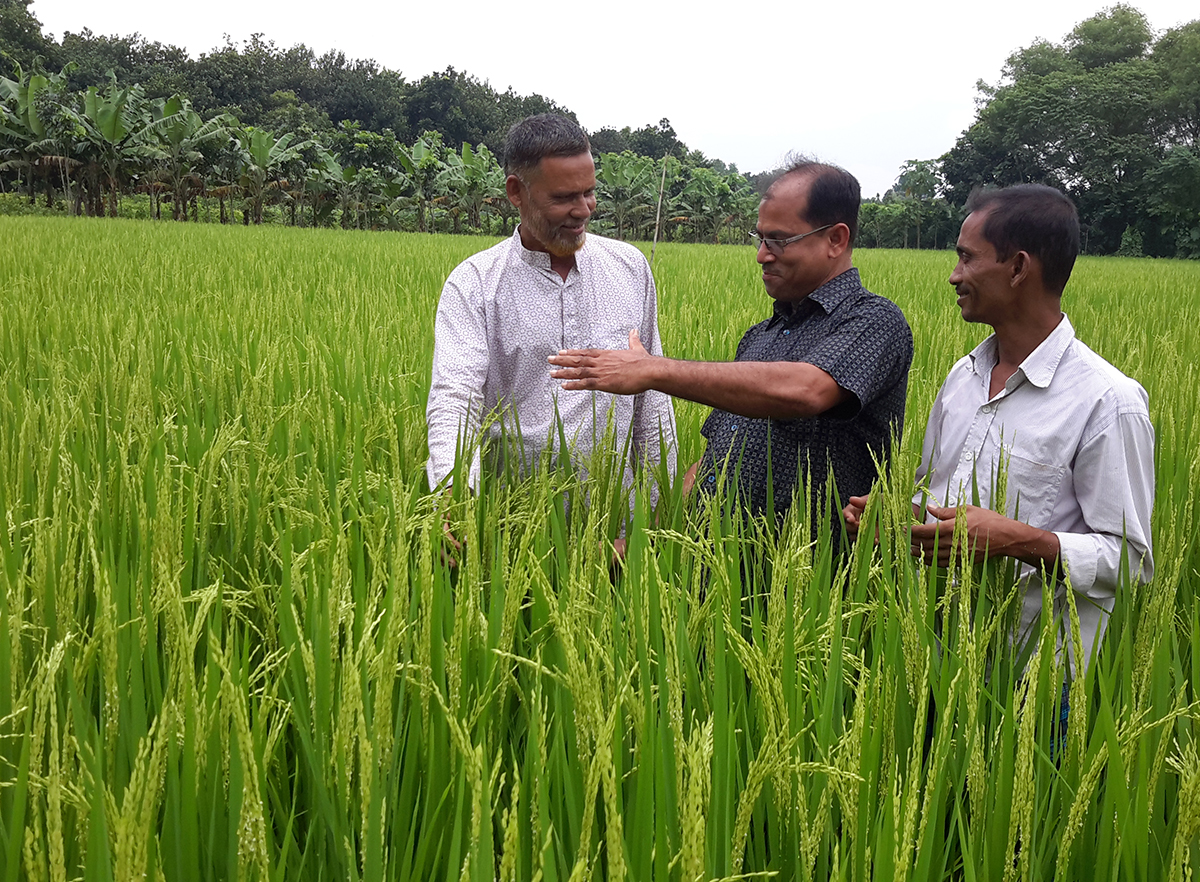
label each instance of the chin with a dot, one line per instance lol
(565, 248)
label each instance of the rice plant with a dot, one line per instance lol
(235, 651)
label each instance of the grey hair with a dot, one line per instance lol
(534, 138)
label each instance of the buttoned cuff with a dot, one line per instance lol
(1080, 554)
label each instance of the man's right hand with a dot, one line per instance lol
(620, 371)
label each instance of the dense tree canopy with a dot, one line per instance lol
(1101, 115)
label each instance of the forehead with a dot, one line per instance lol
(787, 200)
(566, 173)
(970, 236)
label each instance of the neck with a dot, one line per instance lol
(1019, 335)
(845, 263)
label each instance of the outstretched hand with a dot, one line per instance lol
(621, 371)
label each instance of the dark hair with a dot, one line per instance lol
(1034, 218)
(833, 193)
(534, 138)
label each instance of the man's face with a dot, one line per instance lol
(981, 281)
(804, 265)
(555, 203)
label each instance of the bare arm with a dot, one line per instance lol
(759, 389)
(988, 535)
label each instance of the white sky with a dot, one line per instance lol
(865, 84)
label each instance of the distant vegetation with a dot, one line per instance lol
(1111, 114)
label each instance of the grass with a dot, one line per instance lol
(233, 653)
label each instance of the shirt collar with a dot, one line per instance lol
(539, 259)
(827, 298)
(1039, 366)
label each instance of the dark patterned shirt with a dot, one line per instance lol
(864, 343)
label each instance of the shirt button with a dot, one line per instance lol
(733, 428)
(786, 332)
(970, 455)
(712, 479)
(987, 408)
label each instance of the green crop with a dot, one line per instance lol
(232, 649)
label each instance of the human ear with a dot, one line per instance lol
(1022, 267)
(514, 190)
(839, 239)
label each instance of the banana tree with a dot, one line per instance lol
(265, 157)
(422, 167)
(473, 181)
(111, 131)
(712, 203)
(181, 135)
(25, 140)
(626, 189)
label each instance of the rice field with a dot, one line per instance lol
(232, 649)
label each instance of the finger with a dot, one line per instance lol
(568, 357)
(942, 514)
(635, 340)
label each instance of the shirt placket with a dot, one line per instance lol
(973, 446)
(572, 324)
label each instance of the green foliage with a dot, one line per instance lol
(233, 651)
(14, 205)
(1131, 243)
(1097, 116)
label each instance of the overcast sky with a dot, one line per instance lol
(867, 85)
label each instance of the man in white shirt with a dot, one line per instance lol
(1070, 431)
(550, 286)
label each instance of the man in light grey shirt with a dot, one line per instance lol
(550, 286)
(1070, 431)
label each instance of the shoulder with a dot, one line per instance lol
(877, 308)
(1084, 371)
(482, 264)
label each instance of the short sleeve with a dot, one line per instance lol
(867, 354)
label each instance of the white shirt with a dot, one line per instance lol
(502, 314)
(1074, 434)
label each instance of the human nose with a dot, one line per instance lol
(584, 207)
(956, 274)
(764, 254)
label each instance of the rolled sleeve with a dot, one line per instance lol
(1114, 483)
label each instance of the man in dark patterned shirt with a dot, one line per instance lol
(820, 385)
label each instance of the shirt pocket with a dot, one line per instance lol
(1032, 490)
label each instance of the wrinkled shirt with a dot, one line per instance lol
(1073, 436)
(502, 314)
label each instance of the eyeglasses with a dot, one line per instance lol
(776, 246)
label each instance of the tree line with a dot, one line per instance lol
(95, 147)
(1111, 115)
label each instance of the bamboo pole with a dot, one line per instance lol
(658, 214)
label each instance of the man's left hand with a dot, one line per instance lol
(622, 371)
(988, 534)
